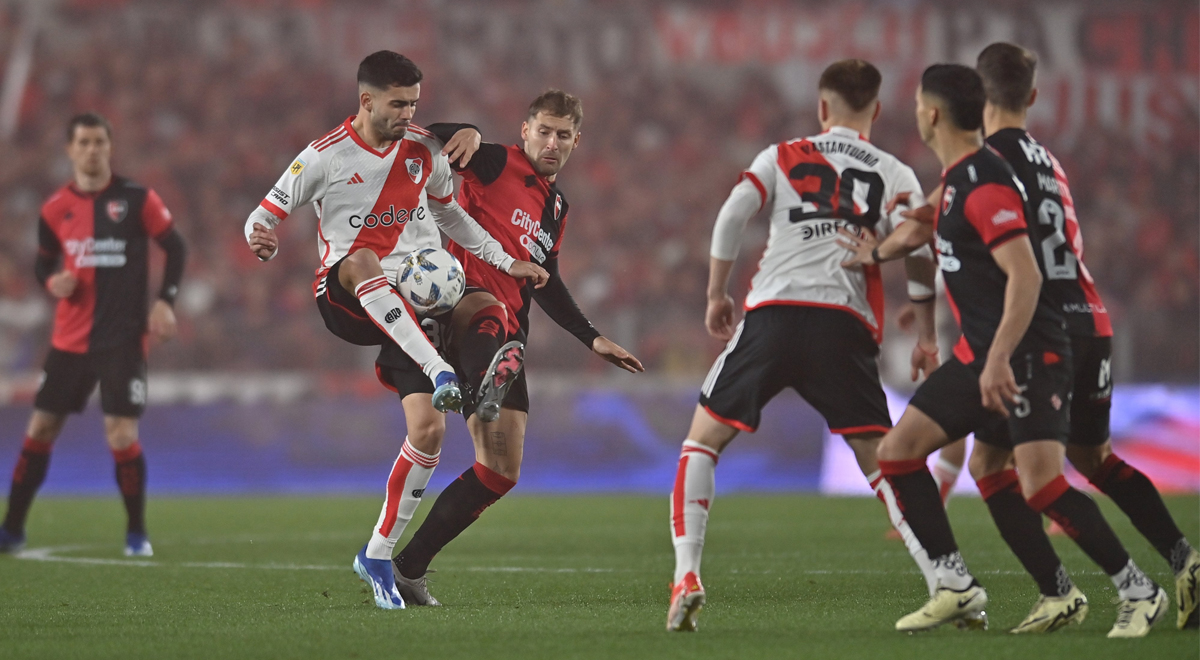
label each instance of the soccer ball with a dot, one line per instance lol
(431, 280)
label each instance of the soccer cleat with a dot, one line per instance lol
(498, 378)
(378, 574)
(687, 599)
(11, 543)
(414, 591)
(448, 395)
(1135, 618)
(137, 545)
(974, 621)
(1050, 614)
(946, 606)
(1187, 592)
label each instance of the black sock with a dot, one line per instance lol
(1139, 499)
(918, 497)
(461, 504)
(479, 343)
(1081, 519)
(1021, 528)
(131, 479)
(28, 476)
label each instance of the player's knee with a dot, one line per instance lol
(983, 462)
(121, 434)
(1087, 460)
(44, 427)
(426, 435)
(358, 266)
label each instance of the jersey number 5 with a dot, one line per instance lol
(855, 191)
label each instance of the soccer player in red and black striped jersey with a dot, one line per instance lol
(1010, 382)
(1009, 74)
(512, 192)
(93, 253)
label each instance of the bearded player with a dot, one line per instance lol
(810, 324)
(382, 187)
(513, 192)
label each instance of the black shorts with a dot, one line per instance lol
(827, 355)
(344, 315)
(951, 397)
(401, 374)
(1091, 404)
(69, 379)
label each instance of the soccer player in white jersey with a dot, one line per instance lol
(382, 187)
(810, 324)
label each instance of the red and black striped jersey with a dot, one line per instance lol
(1057, 239)
(102, 238)
(983, 207)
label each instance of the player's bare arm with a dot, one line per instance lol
(1024, 285)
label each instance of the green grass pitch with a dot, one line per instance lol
(537, 577)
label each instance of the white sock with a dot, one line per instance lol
(952, 571)
(945, 474)
(695, 487)
(1132, 583)
(405, 487)
(883, 490)
(389, 311)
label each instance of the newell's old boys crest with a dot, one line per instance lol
(947, 199)
(117, 209)
(414, 167)
(558, 207)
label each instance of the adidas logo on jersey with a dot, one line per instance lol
(357, 178)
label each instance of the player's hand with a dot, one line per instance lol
(462, 146)
(718, 317)
(998, 385)
(162, 321)
(924, 360)
(527, 270)
(61, 284)
(861, 246)
(925, 214)
(608, 350)
(263, 242)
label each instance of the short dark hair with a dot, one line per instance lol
(90, 120)
(384, 69)
(856, 81)
(558, 103)
(961, 89)
(1008, 73)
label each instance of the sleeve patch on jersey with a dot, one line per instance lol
(297, 167)
(1005, 215)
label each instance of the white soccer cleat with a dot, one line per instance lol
(1187, 592)
(138, 545)
(1050, 614)
(687, 599)
(947, 606)
(1135, 617)
(414, 591)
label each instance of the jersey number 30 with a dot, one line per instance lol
(858, 194)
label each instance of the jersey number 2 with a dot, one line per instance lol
(1051, 214)
(818, 202)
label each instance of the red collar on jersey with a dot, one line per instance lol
(359, 141)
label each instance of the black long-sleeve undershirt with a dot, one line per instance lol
(49, 253)
(171, 241)
(560, 306)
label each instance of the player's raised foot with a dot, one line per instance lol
(1050, 614)
(11, 543)
(138, 545)
(946, 606)
(687, 599)
(414, 591)
(501, 374)
(378, 574)
(1187, 592)
(1135, 617)
(448, 395)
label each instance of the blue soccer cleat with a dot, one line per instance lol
(378, 574)
(138, 545)
(448, 395)
(11, 543)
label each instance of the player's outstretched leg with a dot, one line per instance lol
(1136, 495)
(1143, 602)
(1061, 603)
(691, 498)
(28, 475)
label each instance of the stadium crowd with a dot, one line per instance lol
(210, 121)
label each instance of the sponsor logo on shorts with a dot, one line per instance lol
(116, 209)
(393, 315)
(297, 167)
